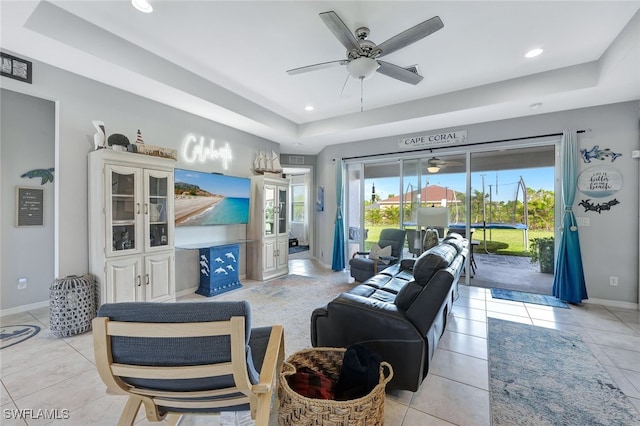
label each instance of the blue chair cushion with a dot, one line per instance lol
(182, 351)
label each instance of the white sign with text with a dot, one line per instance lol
(444, 138)
(198, 149)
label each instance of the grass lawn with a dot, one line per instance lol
(499, 241)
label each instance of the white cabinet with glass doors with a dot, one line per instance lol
(268, 229)
(131, 224)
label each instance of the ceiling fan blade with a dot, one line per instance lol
(399, 73)
(315, 67)
(411, 35)
(340, 30)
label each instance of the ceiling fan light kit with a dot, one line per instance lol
(433, 169)
(362, 67)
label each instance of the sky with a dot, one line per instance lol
(534, 178)
(229, 186)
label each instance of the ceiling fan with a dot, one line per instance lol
(435, 164)
(362, 54)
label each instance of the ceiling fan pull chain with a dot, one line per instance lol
(361, 91)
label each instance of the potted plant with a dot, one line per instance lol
(542, 250)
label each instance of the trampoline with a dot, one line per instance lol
(494, 225)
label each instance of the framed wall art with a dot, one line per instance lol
(29, 206)
(14, 67)
(600, 181)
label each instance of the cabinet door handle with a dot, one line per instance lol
(139, 281)
(146, 279)
(137, 208)
(146, 208)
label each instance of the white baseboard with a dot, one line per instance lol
(612, 303)
(24, 308)
(186, 292)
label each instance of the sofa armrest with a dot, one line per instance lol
(407, 264)
(350, 318)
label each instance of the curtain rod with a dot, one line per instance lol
(466, 144)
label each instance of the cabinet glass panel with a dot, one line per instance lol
(282, 210)
(123, 237)
(158, 226)
(269, 210)
(123, 211)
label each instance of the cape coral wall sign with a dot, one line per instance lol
(445, 138)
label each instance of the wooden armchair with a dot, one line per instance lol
(187, 358)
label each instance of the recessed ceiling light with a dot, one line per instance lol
(536, 105)
(142, 6)
(309, 108)
(533, 53)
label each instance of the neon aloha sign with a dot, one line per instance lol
(196, 148)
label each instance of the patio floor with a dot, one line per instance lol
(510, 272)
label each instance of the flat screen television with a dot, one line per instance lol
(210, 199)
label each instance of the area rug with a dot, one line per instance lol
(298, 249)
(288, 301)
(520, 296)
(541, 376)
(13, 334)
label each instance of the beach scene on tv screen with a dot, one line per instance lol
(210, 199)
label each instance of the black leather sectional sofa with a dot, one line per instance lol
(400, 313)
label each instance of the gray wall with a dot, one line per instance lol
(27, 139)
(80, 101)
(609, 244)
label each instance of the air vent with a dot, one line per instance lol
(296, 159)
(413, 69)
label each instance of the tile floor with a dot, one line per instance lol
(46, 372)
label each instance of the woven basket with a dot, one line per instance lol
(72, 305)
(296, 409)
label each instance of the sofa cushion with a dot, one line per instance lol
(432, 261)
(380, 253)
(455, 240)
(407, 295)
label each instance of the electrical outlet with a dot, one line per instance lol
(22, 283)
(613, 281)
(583, 221)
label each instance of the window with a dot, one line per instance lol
(298, 203)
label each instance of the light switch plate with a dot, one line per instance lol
(583, 221)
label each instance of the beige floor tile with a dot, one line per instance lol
(627, 315)
(600, 355)
(623, 382)
(47, 373)
(636, 403)
(473, 292)
(633, 377)
(418, 418)
(24, 318)
(394, 412)
(464, 344)
(452, 401)
(41, 350)
(401, 396)
(551, 314)
(627, 360)
(471, 303)
(460, 368)
(11, 416)
(507, 308)
(469, 313)
(103, 411)
(509, 317)
(616, 340)
(465, 326)
(611, 326)
(4, 396)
